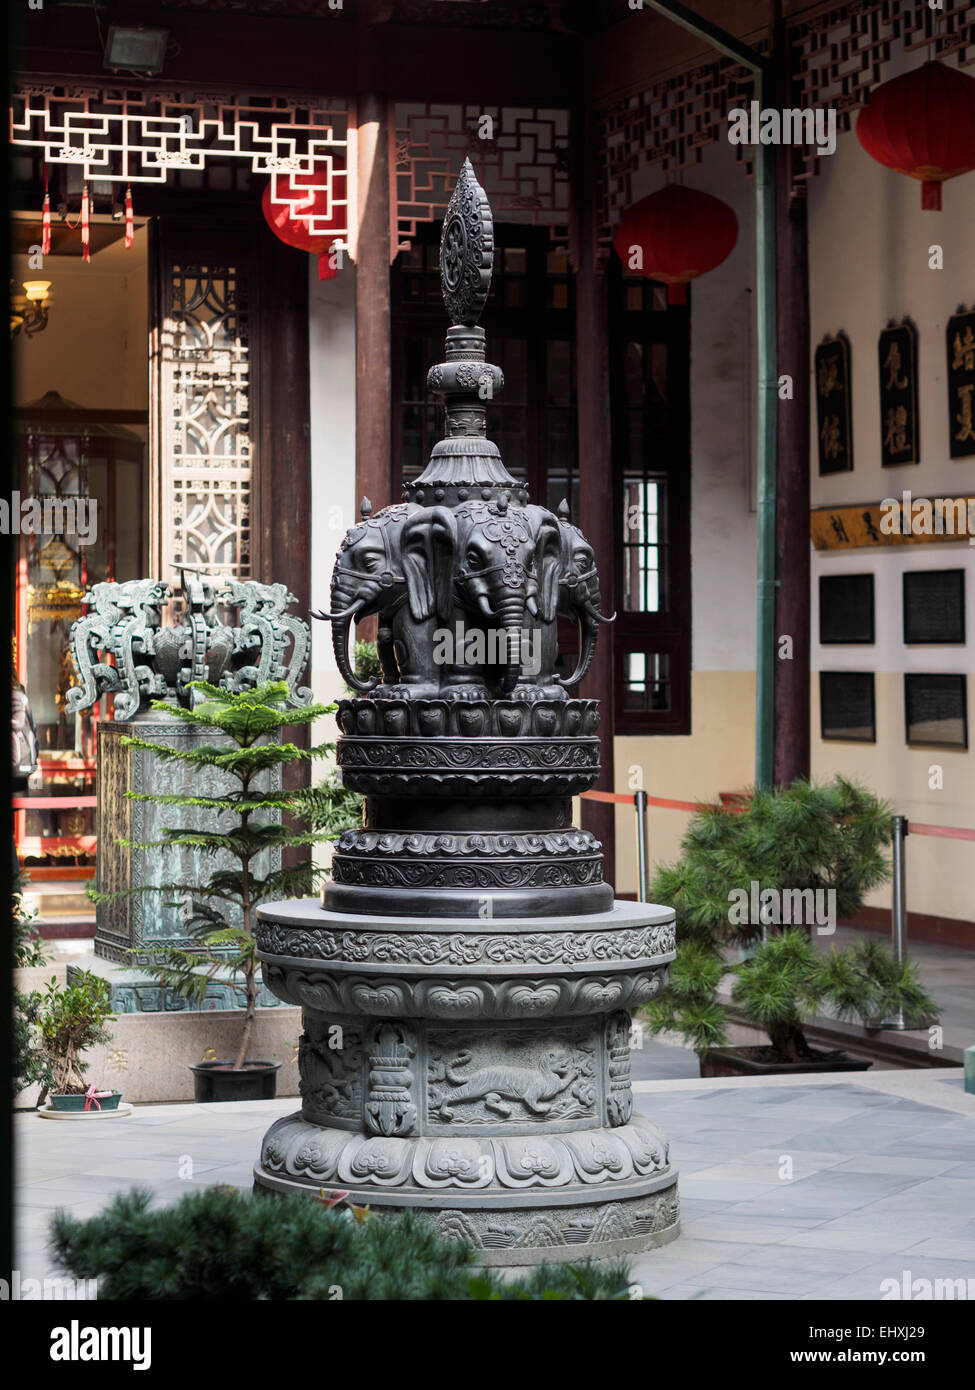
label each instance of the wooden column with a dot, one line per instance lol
(284, 463)
(285, 445)
(792, 555)
(373, 401)
(596, 489)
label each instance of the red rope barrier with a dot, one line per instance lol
(651, 801)
(944, 832)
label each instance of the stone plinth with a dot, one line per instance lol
(479, 1072)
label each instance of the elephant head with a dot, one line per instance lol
(579, 596)
(482, 558)
(367, 578)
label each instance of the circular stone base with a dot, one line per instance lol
(617, 1225)
(516, 1199)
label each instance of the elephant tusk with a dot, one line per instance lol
(532, 606)
(340, 616)
(484, 606)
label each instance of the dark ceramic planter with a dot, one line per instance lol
(78, 1103)
(754, 1061)
(213, 1081)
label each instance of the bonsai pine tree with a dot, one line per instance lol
(222, 915)
(803, 837)
(788, 981)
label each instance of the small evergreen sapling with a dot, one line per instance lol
(222, 915)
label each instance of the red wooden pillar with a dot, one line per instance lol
(792, 554)
(373, 401)
(596, 490)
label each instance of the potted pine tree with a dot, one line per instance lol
(798, 844)
(246, 823)
(65, 1022)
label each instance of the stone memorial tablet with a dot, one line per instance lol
(936, 710)
(846, 700)
(846, 609)
(934, 606)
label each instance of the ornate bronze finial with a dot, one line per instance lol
(466, 250)
(465, 458)
(365, 509)
(564, 510)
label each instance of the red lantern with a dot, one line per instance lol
(290, 220)
(680, 234)
(923, 125)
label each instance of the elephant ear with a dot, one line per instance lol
(429, 541)
(548, 567)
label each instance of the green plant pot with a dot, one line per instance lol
(78, 1103)
(757, 1061)
(219, 1080)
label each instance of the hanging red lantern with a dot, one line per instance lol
(923, 124)
(290, 220)
(676, 235)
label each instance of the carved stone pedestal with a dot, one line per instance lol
(477, 1072)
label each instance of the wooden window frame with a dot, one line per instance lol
(667, 632)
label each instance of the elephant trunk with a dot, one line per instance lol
(510, 614)
(340, 646)
(588, 622)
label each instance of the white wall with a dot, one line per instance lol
(331, 341)
(870, 244)
(95, 349)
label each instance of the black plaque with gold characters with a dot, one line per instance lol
(960, 335)
(897, 358)
(834, 413)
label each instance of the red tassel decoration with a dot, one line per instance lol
(85, 225)
(129, 220)
(46, 220)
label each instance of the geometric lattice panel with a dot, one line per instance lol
(836, 58)
(205, 455)
(840, 55)
(122, 135)
(668, 125)
(519, 156)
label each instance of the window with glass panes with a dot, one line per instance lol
(649, 360)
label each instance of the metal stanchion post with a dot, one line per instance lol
(898, 916)
(642, 848)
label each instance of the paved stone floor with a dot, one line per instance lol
(882, 1177)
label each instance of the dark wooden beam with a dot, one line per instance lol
(595, 467)
(792, 548)
(284, 460)
(285, 445)
(324, 55)
(373, 400)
